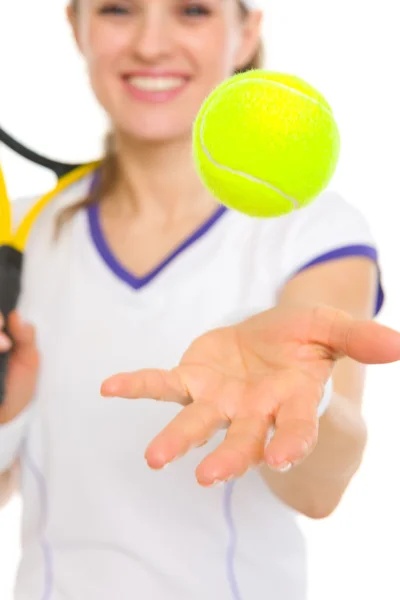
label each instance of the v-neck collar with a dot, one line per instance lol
(136, 282)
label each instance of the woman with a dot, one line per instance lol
(137, 285)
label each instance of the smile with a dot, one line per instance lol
(156, 84)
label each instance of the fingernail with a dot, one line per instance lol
(282, 468)
(215, 483)
(157, 467)
(285, 467)
(221, 481)
(169, 462)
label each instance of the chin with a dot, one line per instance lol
(156, 132)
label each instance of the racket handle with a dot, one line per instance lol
(4, 360)
(10, 287)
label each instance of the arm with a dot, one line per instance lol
(315, 487)
(271, 369)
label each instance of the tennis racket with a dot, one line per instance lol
(12, 243)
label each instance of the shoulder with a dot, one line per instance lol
(329, 223)
(329, 210)
(328, 219)
(329, 228)
(45, 256)
(41, 211)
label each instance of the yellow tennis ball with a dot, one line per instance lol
(265, 143)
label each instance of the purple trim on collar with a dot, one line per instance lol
(120, 271)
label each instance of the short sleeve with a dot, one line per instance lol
(328, 229)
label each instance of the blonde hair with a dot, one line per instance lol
(108, 171)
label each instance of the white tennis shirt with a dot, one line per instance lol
(98, 523)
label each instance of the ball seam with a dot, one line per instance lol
(252, 178)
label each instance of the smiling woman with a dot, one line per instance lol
(121, 364)
(154, 86)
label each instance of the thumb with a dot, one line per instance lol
(365, 341)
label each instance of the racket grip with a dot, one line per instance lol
(10, 287)
(4, 360)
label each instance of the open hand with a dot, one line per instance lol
(269, 370)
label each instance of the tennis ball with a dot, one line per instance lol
(265, 143)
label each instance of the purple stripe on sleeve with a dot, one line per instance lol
(347, 251)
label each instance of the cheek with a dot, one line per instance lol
(103, 50)
(215, 53)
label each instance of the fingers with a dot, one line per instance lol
(194, 425)
(371, 343)
(367, 342)
(243, 448)
(147, 383)
(22, 335)
(295, 431)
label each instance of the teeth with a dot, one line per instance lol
(156, 84)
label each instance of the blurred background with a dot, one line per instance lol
(350, 51)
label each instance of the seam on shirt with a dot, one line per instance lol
(232, 542)
(43, 518)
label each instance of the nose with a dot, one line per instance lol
(154, 35)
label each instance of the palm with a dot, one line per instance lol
(251, 377)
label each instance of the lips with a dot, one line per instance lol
(150, 86)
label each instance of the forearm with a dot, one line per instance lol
(315, 487)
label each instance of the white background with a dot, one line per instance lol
(350, 51)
